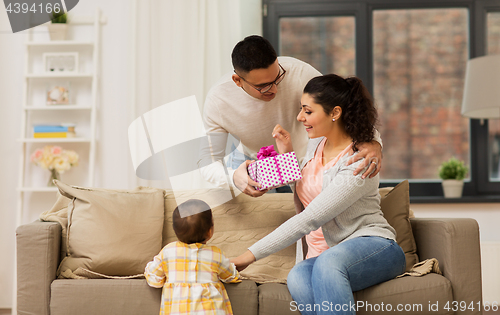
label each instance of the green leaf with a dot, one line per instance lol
(453, 169)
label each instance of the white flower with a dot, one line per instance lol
(54, 157)
(61, 164)
(72, 157)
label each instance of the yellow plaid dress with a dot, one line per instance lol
(189, 275)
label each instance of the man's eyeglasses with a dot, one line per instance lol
(267, 87)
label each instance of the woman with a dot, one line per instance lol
(338, 114)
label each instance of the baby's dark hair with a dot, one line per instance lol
(192, 228)
(253, 52)
(359, 115)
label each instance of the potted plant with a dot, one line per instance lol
(58, 26)
(453, 172)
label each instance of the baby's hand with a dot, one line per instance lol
(283, 139)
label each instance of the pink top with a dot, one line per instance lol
(309, 187)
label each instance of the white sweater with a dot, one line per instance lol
(347, 207)
(229, 109)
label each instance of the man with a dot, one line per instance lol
(264, 90)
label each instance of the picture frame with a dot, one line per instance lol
(60, 62)
(58, 94)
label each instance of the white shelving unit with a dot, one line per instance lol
(84, 38)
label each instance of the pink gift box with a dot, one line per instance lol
(275, 171)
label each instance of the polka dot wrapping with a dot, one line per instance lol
(275, 171)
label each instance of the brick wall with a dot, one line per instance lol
(419, 67)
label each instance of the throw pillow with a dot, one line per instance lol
(395, 204)
(238, 224)
(112, 232)
(59, 213)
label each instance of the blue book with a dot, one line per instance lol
(50, 128)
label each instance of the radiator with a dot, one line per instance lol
(490, 269)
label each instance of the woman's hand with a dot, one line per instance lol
(243, 260)
(283, 139)
(372, 152)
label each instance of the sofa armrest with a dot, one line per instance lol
(38, 248)
(455, 244)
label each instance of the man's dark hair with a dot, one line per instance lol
(253, 52)
(192, 228)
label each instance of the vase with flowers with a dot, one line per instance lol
(55, 159)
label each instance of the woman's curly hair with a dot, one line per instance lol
(359, 115)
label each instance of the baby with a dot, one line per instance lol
(189, 270)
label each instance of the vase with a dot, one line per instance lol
(57, 31)
(453, 188)
(53, 175)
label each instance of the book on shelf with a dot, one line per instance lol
(54, 131)
(54, 135)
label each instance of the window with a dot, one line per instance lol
(419, 66)
(326, 43)
(412, 55)
(493, 31)
(493, 48)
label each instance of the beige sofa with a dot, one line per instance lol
(453, 242)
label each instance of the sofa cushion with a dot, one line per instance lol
(59, 213)
(112, 232)
(413, 294)
(134, 296)
(104, 296)
(243, 297)
(395, 204)
(274, 298)
(239, 223)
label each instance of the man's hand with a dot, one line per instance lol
(283, 139)
(372, 152)
(243, 260)
(245, 183)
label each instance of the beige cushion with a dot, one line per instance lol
(112, 232)
(59, 213)
(131, 297)
(395, 204)
(275, 298)
(241, 222)
(412, 295)
(107, 296)
(416, 294)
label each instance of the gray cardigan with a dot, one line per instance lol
(347, 207)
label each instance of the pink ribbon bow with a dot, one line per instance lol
(266, 152)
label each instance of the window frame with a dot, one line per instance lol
(478, 188)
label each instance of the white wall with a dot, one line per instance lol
(113, 167)
(486, 214)
(11, 65)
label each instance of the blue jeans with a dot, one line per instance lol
(324, 284)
